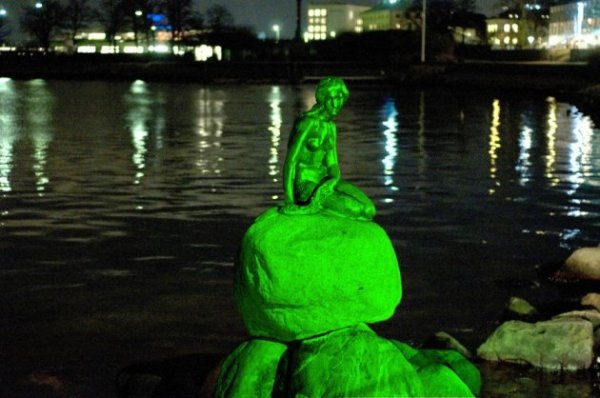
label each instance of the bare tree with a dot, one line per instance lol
(111, 15)
(42, 21)
(77, 16)
(179, 13)
(219, 18)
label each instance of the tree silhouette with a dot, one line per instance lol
(219, 18)
(111, 15)
(42, 22)
(77, 15)
(179, 13)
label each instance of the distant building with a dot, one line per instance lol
(511, 30)
(505, 32)
(389, 15)
(326, 19)
(575, 25)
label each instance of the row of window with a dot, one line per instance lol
(493, 28)
(317, 28)
(318, 12)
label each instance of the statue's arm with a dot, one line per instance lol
(297, 139)
(331, 159)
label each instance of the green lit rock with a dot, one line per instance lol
(302, 275)
(444, 373)
(250, 370)
(351, 362)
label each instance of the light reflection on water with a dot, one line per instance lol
(486, 185)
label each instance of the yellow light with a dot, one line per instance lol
(506, 28)
(311, 12)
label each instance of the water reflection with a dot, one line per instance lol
(275, 132)
(524, 162)
(39, 107)
(138, 114)
(8, 131)
(494, 145)
(390, 145)
(422, 166)
(551, 142)
(210, 119)
(579, 149)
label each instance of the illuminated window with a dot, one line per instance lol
(311, 13)
(323, 28)
(515, 27)
(317, 13)
(506, 28)
(507, 40)
(515, 40)
(310, 28)
(351, 14)
(323, 12)
(332, 33)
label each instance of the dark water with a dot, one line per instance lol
(122, 206)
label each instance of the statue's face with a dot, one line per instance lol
(333, 104)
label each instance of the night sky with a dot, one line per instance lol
(261, 15)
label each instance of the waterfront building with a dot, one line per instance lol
(389, 15)
(526, 28)
(326, 19)
(575, 25)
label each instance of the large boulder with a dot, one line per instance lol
(584, 263)
(558, 344)
(298, 276)
(250, 370)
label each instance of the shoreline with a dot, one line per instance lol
(575, 82)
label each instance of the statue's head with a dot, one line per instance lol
(331, 95)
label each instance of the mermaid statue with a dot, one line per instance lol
(311, 175)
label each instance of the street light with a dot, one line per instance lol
(138, 13)
(276, 29)
(2, 12)
(39, 4)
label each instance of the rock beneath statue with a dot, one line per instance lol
(355, 362)
(584, 263)
(302, 275)
(591, 300)
(444, 341)
(251, 370)
(558, 344)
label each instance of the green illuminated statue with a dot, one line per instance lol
(312, 274)
(311, 176)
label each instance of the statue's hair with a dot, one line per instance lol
(330, 86)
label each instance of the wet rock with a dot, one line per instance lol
(519, 309)
(302, 275)
(444, 341)
(558, 344)
(584, 263)
(590, 315)
(354, 362)
(251, 370)
(591, 300)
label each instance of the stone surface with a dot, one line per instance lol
(442, 340)
(251, 370)
(355, 362)
(591, 315)
(592, 300)
(423, 359)
(520, 308)
(302, 275)
(555, 345)
(584, 263)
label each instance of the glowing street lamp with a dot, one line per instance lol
(138, 13)
(2, 12)
(276, 29)
(38, 5)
